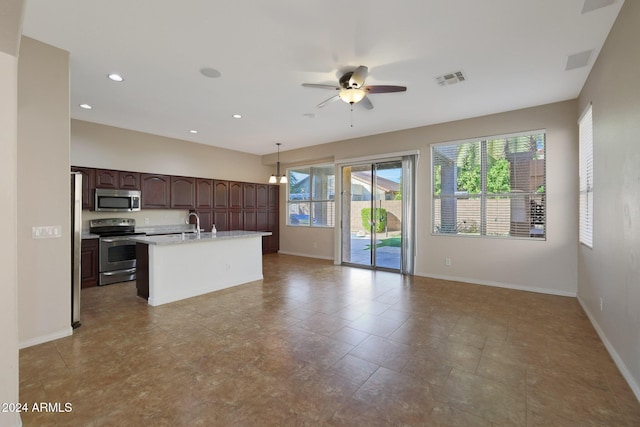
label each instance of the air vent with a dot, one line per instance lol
(451, 78)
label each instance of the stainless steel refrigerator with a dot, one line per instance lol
(76, 245)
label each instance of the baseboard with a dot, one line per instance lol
(500, 285)
(635, 387)
(305, 255)
(46, 338)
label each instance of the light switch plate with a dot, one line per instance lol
(46, 231)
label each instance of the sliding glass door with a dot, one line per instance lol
(372, 215)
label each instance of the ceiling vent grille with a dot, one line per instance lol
(451, 78)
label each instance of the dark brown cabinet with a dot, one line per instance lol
(230, 205)
(221, 219)
(117, 180)
(183, 192)
(274, 193)
(89, 263)
(249, 195)
(206, 219)
(250, 220)
(236, 220)
(128, 180)
(156, 191)
(220, 194)
(88, 185)
(262, 196)
(235, 195)
(204, 193)
(106, 178)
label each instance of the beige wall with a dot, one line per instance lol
(108, 147)
(10, 30)
(546, 266)
(611, 270)
(44, 277)
(101, 146)
(8, 222)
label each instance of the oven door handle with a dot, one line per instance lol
(119, 239)
(111, 273)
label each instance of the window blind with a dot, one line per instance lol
(586, 177)
(490, 187)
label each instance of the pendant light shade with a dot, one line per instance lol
(275, 178)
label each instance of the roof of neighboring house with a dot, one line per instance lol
(384, 184)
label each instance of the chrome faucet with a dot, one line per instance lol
(197, 222)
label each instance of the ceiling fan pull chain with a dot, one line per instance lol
(352, 115)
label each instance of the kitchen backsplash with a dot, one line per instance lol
(145, 217)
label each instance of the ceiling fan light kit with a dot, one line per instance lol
(352, 95)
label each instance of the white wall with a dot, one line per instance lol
(611, 270)
(44, 273)
(546, 266)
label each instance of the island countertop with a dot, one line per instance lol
(186, 238)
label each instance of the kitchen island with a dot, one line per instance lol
(178, 266)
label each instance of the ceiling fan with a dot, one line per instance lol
(352, 89)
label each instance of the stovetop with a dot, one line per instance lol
(113, 226)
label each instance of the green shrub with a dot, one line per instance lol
(380, 218)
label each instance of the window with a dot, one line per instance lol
(311, 195)
(586, 177)
(490, 187)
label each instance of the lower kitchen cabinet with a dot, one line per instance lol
(89, 262)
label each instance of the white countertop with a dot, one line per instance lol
(179, 239)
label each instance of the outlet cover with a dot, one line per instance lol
(46, 231)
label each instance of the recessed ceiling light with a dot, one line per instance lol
(86, 106)
(193, 131)
(237, 116)
(210, 72)
(115, 77)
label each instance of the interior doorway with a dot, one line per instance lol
(375, 208)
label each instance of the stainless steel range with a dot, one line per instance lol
(117, 252)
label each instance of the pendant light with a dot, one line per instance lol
(277, 177)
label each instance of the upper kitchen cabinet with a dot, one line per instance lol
(220, 194)
(262, 196)
(183, 192)
(204, 193)
(118, 180)
(156, 191)
(128, 180)
(273, 196)
(235, 196)
(107, 178)
(88, 185)
(249, 195)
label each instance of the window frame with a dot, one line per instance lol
(311, 200)
(483, 195)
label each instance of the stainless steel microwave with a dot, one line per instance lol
(107, 200)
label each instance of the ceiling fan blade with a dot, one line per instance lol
(328, 101)
(321, 86)
(358, 76)
(384, 89)
(365, 103)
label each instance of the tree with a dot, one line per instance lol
(498, 177)
(469, 173)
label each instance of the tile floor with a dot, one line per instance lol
(318, 344)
